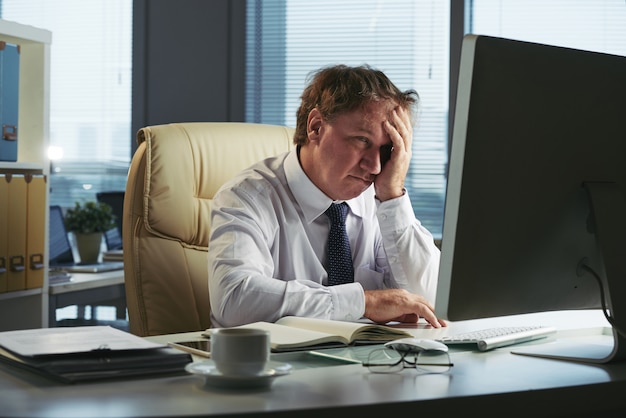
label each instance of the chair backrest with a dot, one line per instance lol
(173, 176)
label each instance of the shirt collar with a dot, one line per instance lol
(310, 198)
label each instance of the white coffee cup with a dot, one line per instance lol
(240, 351)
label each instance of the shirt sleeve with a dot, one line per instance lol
(412, 255)
(258, 271)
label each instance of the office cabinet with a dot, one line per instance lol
(23, 175)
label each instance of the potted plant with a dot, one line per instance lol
(88, 222)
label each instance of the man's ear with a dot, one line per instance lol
(314, 123)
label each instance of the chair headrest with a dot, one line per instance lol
(186, 164)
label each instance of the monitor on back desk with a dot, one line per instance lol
(535, 213)
(60, 249)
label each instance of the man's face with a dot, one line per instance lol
(343, 156)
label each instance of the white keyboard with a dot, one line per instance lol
(491, 338)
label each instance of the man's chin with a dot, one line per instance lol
(355, 193)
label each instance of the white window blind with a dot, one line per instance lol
(593, 25)
(407, 39)
(90, 91)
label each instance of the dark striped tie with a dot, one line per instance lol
(340, 269)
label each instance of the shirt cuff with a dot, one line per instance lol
(395, 214)
(348, 302)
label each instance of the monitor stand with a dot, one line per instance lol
(608, 208)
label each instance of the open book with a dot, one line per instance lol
(293, 333)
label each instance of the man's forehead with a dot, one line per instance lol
(373, 112)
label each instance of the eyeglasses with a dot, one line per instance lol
(388, 360)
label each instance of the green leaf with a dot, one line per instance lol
(90, 217)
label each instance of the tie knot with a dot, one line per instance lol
(336, 212)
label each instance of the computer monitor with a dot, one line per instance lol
(536, 187)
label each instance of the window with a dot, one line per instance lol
(90, 92)
(593, 25)
(90, 116)
(409, 40)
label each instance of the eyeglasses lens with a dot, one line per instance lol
(387, 360)
(384, 360)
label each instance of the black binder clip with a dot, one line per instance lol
(16, 263)
(36, 261)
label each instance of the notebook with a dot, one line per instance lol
(60, 249)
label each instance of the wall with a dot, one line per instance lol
(188, 61)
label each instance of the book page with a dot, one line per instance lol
(342, 328)
(350, 331)
(292, 332)
(283, 336)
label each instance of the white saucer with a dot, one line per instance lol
(215, 378)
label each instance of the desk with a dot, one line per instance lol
(88, 289)
(491, 384)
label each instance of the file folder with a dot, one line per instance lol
(16, 266)
(88, 353)
(36, 226)
(9, 99)
(4, 224)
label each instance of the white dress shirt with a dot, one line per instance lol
(267, 248)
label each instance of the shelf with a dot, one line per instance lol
(24, 34)
(28, 308)
(34, 88)
(20, 294)
(22, 167)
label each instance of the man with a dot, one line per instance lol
(267, 251)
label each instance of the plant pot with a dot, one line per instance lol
(88, 246)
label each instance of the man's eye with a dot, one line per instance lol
(385, 153)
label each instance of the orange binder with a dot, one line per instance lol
(16, 266)
(4, 224)
(36, 228)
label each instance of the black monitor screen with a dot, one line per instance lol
(538, 132)
(59, 247)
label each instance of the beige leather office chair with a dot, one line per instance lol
(173, 176)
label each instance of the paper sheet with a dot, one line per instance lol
(62, 340)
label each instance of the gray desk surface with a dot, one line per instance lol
(491, 384)
(85, 281)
